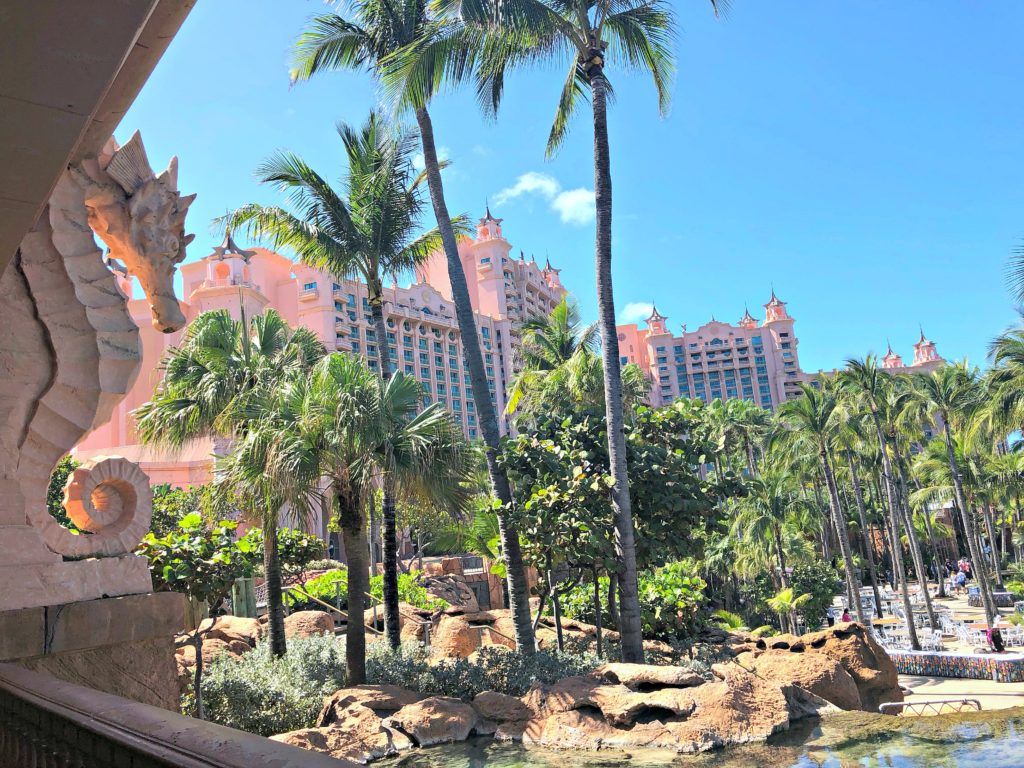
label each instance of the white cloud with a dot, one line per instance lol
(528, 183)
(443, 153)
(635, 312)
(573, 206)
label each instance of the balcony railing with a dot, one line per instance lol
(45, 722)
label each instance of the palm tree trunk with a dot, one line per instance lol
(751, 461)
(518, 590)
(272, 572)
(969, 530)
(869, 549)
(630, 628)
(392, 618)
(353, 532)
(995, 560)
(613, 601)
(894, 521)
(852, 583)
(597, 611)
(913, 543)
(777, 535)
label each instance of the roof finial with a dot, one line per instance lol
(487, 207)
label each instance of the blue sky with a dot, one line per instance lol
(865, 158)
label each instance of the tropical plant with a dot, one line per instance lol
(786, 604)
(370, 40)
(212, 385)
(55, 490)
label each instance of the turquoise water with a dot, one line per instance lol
(983, 739)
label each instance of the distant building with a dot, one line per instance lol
(754, 360)
(926, 358)
(423, 335)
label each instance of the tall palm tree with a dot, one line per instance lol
(638, 34)
(868, 383)
(212, 382)
(950, 394)
(761, 515)
(376, 31)
(811, 423)
(368, 230)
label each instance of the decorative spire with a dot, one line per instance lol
(747, 321)
(548, 267)
(655, 315)
(487, 208)
(230, 247)
(923, 339)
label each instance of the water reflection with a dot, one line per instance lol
(989, 739)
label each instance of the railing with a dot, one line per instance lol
(374, 602)
(48, 723)
(929, 706)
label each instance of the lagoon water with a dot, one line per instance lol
(992, 739)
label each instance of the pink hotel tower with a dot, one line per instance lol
(423, 335)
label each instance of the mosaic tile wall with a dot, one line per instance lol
(1004, 668)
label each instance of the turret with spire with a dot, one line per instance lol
(891, 359)
(748, 320)
(925, 353)
(656, 324)
(775, 309)
(488, 228)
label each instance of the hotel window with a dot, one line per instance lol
(410, 371)
(756, 340)
(441, 388)
(372, 363)
(485, 332)
(392, 339)
(662, 359)
(355, 347)
(456, 392)
(309, 286)
(366, 303)
(427, 400)
(439, 375)
(489, 370)
(371, 335)
(371, 349)
(426, 386)
(472, 434)
(424, 373)
(407, 341)
(764, 389)
(471, 419)
(659, 349)
(456, 404)
(424, 358)
(438, 348)
(470, 405)
(624, 360)
(439, 361)
(452, 350)
(678, 348)
(351, 300)
(748, 392)
(465, 380)
(351, 316)
(453, 363)
(786, 344)
(423, 343)
(453, 377)
(393, 353)
(730, 393)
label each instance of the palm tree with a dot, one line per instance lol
(561, 372)
(762, 514)
(638, 33)
(867, 383)
(212, 386)
(812, 426)
(786, 603)
(367, 230)
(369, 40)
(951, 393)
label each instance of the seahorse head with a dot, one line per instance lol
(144, 227)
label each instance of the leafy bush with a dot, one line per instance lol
(409, 591)
(1016, 587)
(324, 564)
(494, 669)
(819, 580)
(670, 601)
(262, 694)
(327, 587)
(295, 549)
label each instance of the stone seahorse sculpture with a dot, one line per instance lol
(69, 351)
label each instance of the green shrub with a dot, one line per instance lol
(295, 549)
(819, 580)
(670, 601)
(265, 695)
(327, 587)
(324, 565)
(409, 591)
(494, 669)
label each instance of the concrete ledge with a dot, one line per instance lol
(33, 632)
(999, 667)
(28, 586)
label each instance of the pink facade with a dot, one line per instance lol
(423, 334)
(926, 358)
(753, 360)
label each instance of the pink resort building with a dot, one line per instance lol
(754, 360)
(423, 335)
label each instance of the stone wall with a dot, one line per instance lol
(121, 645)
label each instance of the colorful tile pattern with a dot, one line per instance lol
(1002, 668)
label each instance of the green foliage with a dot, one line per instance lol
(329, 587)
(670, 601)
(170, 505)
(324, 564)
(1016, 587)
(295, 549)
(55, 491)
(195, 559)
(819, 580)
(409, 591)
(494, 669)
(264, 694)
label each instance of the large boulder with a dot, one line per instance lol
(454, 636)
(853, 648)
(453, 590)
(639, 677)
(229, 628)
(436, 720)
(381, 699)
(410, 620)
(308, 624)
(360, 736)
(500, 707)
(818, 673)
